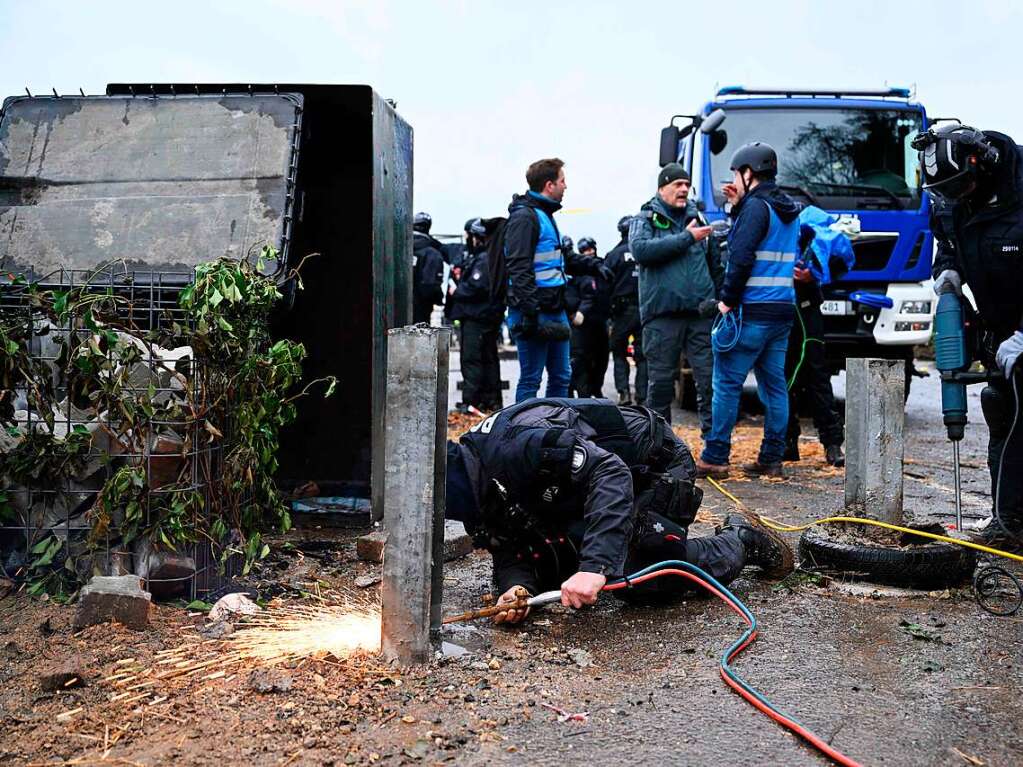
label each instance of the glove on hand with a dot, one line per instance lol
(606, 273)
(1008, 352)
(708, 308)
(949, 280)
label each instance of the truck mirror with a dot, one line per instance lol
(670, 137)
(718, 141)
(713, 121)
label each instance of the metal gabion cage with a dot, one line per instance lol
(107, 459)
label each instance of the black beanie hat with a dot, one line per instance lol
(673, 171)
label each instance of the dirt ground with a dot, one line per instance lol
(845, 665)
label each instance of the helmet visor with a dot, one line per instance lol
(954, 187)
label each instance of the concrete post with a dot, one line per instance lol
(415, 432)
(875, 417)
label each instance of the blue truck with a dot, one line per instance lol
(849, 153)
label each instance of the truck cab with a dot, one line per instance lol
(849, 153)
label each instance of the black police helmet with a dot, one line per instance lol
(623, 224)
(758, 157)
(475, 226)
(422, 222)
(586, 243)
(954, 158)
(566, 242)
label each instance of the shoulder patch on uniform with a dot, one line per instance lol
(578, 458)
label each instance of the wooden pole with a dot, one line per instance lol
(875, 416)
(414, 476)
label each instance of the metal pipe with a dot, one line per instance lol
(958, 485)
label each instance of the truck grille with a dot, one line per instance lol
(873, 253)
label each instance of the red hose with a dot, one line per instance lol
(781, 719)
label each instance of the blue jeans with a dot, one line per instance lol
(535, 354)
(760, 348)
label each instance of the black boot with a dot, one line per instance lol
(764, 547)
(834, 456)
(624, 397)
(791, 450)
(997, 536)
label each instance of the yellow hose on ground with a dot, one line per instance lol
(783, 528)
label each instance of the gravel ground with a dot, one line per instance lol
(842, 664)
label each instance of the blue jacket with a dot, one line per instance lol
(763, 246)
(533, 256)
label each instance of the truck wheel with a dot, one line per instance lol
(928, 566)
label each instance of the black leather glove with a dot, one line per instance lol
(708, 308)
(606, 273)
(527, 327)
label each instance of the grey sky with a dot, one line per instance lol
(489, 87)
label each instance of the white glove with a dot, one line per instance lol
(1008, 352)
(577, 319)
(949, 278)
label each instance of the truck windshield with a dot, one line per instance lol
(832, 157)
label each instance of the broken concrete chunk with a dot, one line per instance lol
(113, 598)
(365, 581)
(370, 547)
(233, 604)
(457, 544)
(270, 680)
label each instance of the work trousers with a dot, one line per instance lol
(422, 310)
(481, 368)
(589, 354)
(664, 341)
(655, 539)
(808, 377)
(760, 347)
(625, 323)
(1001, 406)
(535, 354)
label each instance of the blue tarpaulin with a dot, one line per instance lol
(826, 243)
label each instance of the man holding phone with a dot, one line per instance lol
(680, 273)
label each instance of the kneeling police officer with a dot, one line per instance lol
(976, 180)
(569, 493)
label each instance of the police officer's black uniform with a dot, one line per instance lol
(555, 486)
(589, 341)
(980, 238)
(427, 275)
(625, 321)
(479, 318)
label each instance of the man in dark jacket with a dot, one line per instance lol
(758, 304)
(570, 493)
(537, 265)
(589, 342)
(427, 269)
(679, 272)
(976, 180)
(479, 320)
(625, 322)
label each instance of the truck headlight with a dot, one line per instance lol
(915, 307)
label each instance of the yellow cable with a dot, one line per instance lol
(780, 527)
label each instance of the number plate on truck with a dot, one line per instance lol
(840, 308)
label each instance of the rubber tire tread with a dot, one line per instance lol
(931, 566)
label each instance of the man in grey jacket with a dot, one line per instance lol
(680, 273)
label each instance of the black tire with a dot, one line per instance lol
(929, 566)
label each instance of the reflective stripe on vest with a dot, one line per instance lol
(770, 280)
(548, 260)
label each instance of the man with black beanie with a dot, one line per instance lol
(679, 275)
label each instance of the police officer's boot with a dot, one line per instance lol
(764, 547)
(791, 450)
(624, 397)
(995, 535)
(834, 456)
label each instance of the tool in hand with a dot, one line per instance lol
(521, 603)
